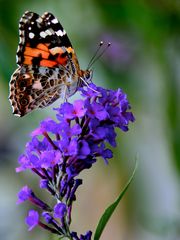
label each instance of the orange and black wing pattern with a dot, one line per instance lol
(47, 65)
(43, 41)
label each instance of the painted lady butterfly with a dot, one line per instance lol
(47, 65)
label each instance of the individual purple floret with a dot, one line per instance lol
(59, 150)
(32, 219)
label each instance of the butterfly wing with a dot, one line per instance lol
(46, 62)
(39, 44)
(51, 21)
(31, 89)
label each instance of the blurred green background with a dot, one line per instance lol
(144, 60)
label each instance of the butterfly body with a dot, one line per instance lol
(48, 67)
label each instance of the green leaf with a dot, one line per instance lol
(109, 210)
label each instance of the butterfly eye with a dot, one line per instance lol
(87, 75)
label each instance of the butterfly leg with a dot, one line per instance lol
(64, 98)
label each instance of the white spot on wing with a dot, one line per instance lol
(48, 32)
(16, 114)
(61, 33)
(54, 21)
(17, 58)
(31, 35)
(37, 85)
(43, 34)
(39, 20)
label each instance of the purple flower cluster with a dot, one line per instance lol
(59, 150)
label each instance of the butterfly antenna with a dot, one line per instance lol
(95, 54)
(97, 57)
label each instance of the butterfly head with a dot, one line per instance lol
(86, 77)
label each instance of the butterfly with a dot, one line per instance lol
(48, 67)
